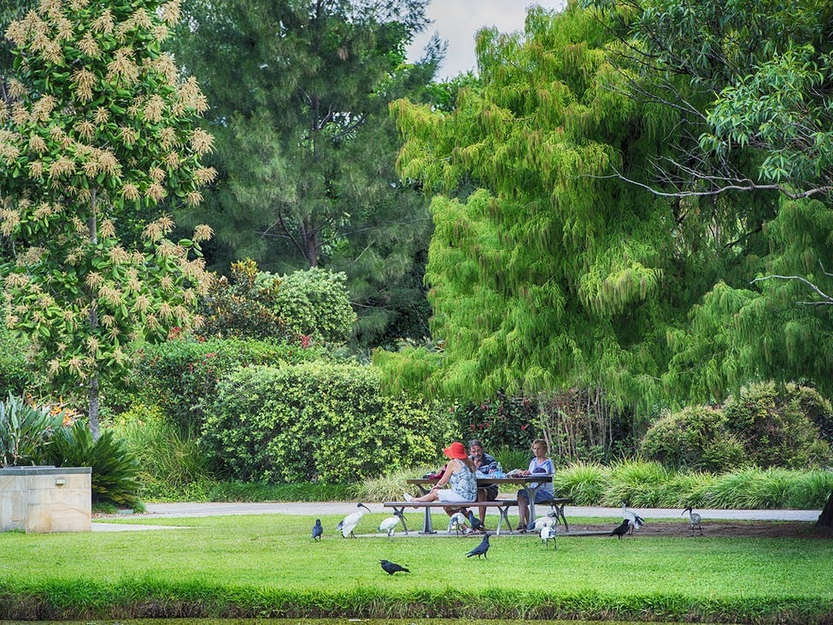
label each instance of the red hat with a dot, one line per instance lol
(456, 450)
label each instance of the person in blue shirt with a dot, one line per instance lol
(484, 464)
(540, 463)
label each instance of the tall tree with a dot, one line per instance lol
(305, 146)
(553, 274)
(100, 126)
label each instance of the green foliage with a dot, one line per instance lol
(775, 430)
(114, 469)
(314, 304)
(696, 437)
(26, 431)
(502, 422)
(552, 273)
(16, 375)
(172, 466)
(306, 152)
(100, 132)
(584, 482)
(511, 457)
(761, 425)
(637, 483)
(181, 375)
(316, 421)
(242, 307)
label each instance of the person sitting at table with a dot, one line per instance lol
(458, 473)
(540, 463)
(483, 464)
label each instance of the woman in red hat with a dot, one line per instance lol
(459, 475)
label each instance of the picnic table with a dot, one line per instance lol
(530, 483)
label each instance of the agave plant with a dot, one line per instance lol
(25, 431)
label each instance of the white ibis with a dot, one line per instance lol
(694, 520)
(352, 520)
(548, 534)
(389, 524)
(457, 522)
(550, 520)
(633, 519)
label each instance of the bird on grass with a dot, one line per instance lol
(694, 520)
(548, 534)
(481, 549)
(457, 522)
(349, 523)
(476, 524)
(391, 567)
(389, 524)
(621, 530)
(550, 520)
(634, 519)
(317, 530)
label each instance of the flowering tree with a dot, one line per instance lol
(98, 131)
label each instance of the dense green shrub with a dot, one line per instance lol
(818, 409)
(26, 431)
(114, 468)
(313, 303)
(762, 425)
(696, 437)
(16, 375)
(242, 307)
(774, 428)
(317, 421)
(179, 375)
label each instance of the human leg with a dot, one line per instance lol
(523, 510)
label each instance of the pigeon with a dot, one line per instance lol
(621, 530)
(547, 535)
(456, 522)
(317, 530)
(634, 519)
(481, 549)
(390, 567)
(694, 520)
(349, 523)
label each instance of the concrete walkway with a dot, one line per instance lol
(184, 510)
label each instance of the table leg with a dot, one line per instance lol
(427, 526)
(531, 491)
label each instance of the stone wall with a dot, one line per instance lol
(45, 499)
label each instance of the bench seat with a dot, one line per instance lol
(502, 506)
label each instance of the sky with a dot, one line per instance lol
(457, 21)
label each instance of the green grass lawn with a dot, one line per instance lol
(268, 565)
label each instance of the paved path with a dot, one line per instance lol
(182, 510)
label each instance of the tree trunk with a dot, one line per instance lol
(826, 516)
(93, 406)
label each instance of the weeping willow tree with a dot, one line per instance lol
(552, 273)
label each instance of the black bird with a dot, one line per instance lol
(476, 524)
(317, 530)
(621, 530)
(481, 549)
(390, 567)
